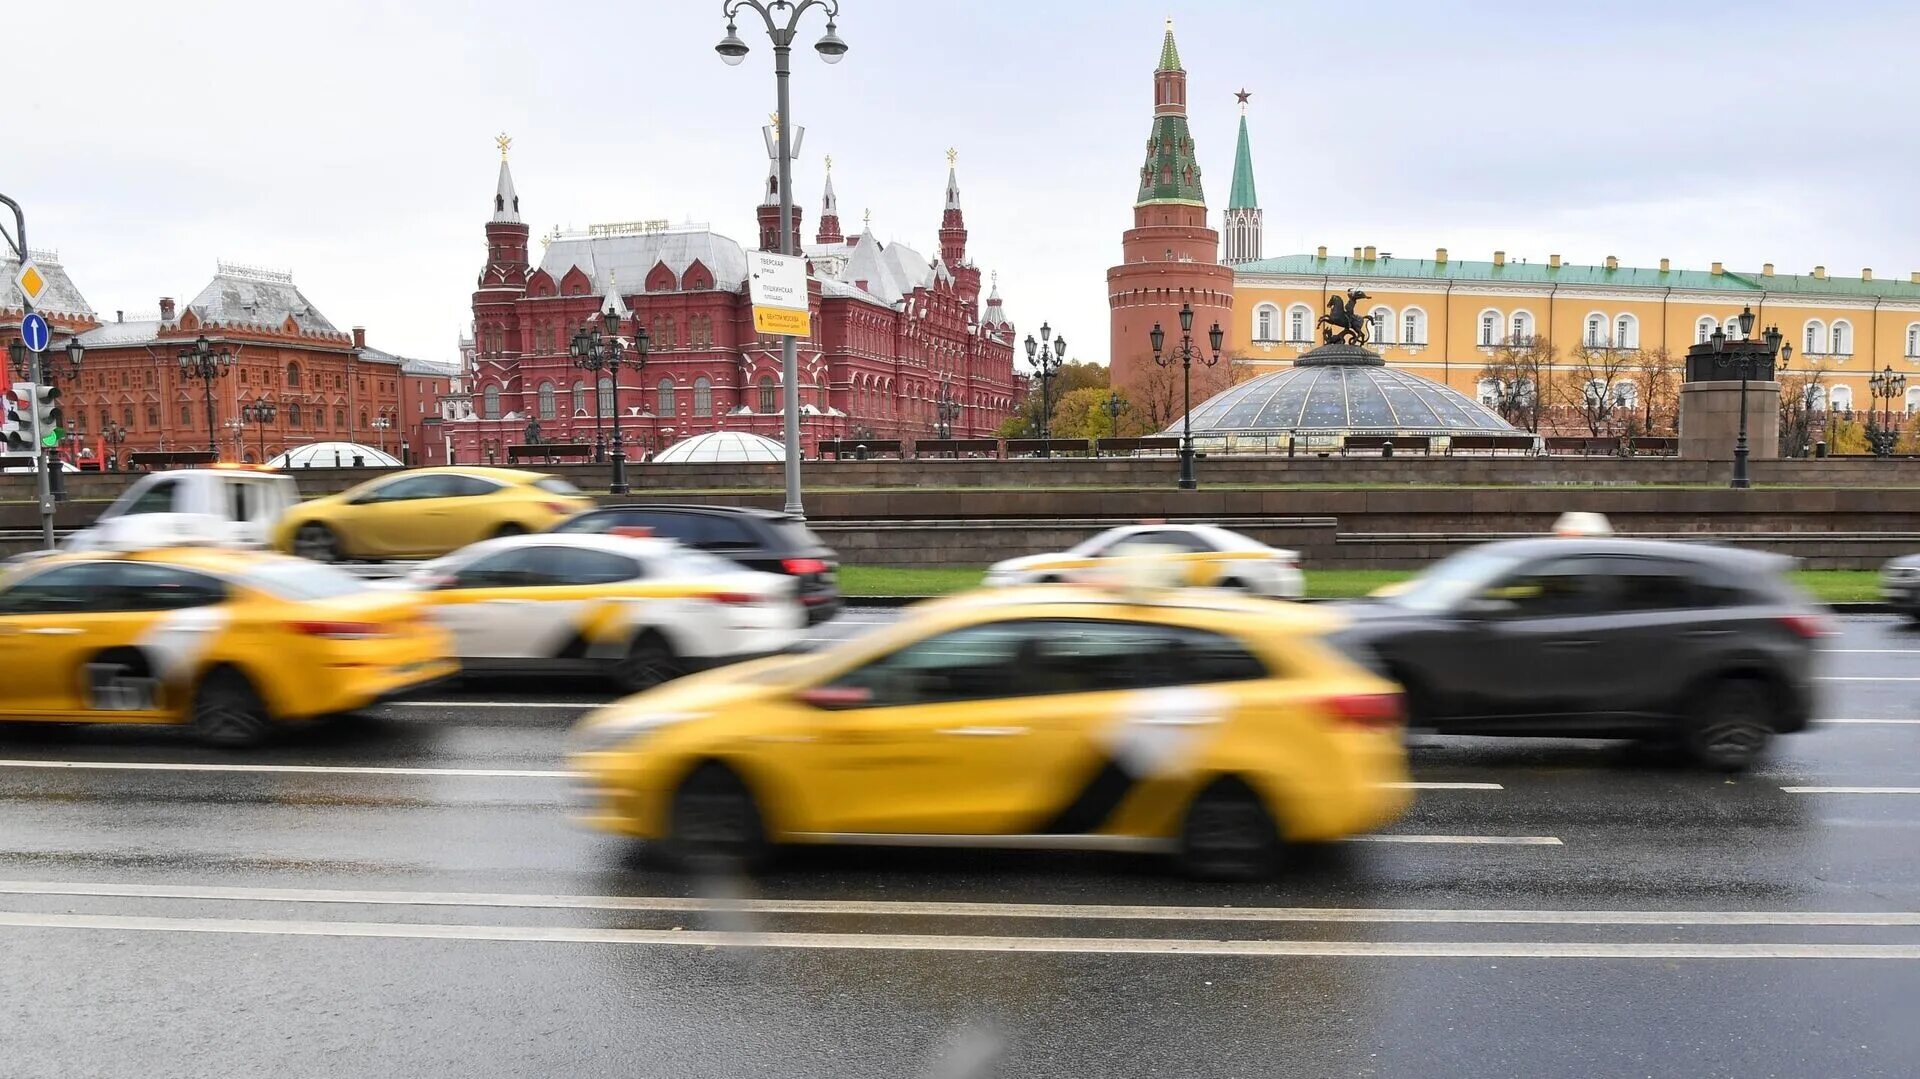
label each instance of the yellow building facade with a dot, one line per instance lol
(1448, 319)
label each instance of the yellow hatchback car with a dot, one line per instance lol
(230, 643)
(1216, 728)
(425, 513)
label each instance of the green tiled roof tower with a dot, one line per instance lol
(1171, 173)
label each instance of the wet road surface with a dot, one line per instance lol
(401, 893)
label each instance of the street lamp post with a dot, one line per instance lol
(596, 349)
(733, 50)
(382, 423)
(203, 361)
(946, 410)
(1046, 357)
(1885, 386)
(260, 413)
(1745, 359)
(115, 436)
(1188, 481)
(1113, 406)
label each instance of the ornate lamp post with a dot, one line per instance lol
(1745, 359)
(1186, 357)
(382, 423)
(115, 436)
(260, 413)
(946, 410)
(206, 363)
(597, 349)
(1113, 406)
(1046, 357)
(1885, 386)
(733, 50)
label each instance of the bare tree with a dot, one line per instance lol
(1522, 368)
(1598, 388)
(1157, 396)
(1661, 373)
(1803, 410)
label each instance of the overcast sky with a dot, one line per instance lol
(352, 141)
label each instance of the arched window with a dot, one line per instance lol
(1381, 331)
(153, 415)
(340, 418)
(490, 406)
(1913, 400)
(293, 376)
(363, 419)
(1816, 338)
(703, 396)
(1841, 398)
(1816, 398)
(106, 418)
(1626, 394)
(666, 398)
(1703, 329)
(1413, 326)
(1842, 338)
(1595, 392)
(1298, 319)
(186, 414)
(1522, 327)
(293, 415)
(1264, 318)
(1487, 392)
(1489, 328)
(607, 406)
(1913, 340)
(769, 402)
(546, 401)
(1626, 332)
(579, 404)
(1596, 331)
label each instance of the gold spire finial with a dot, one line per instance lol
(866, 218)
(503, 141)
(951, 155)
(829, 162)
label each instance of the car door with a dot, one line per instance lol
(388, 521)
(461, 512)
(1552, 646)
(510, 607)
(44, 619)
(1674, 621)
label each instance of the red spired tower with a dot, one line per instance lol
(1169, 257)
(496, 314)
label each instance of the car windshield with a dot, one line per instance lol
(1453, 580)
(297, 579)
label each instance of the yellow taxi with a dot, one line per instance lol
(230, 643)
(425, 513)
(1214, 727)
(1206, 555)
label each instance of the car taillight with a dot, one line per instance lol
(557, 507)
(339, 631)
(1809, 627)
(736, 599)
(1369, 711)
(800, 567)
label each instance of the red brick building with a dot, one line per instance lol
(894, 334)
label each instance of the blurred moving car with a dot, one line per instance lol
(764, 540)
(1706, 647)
(1068, 717)
(639, 611)
(230, 643)
(425, 513)
(1215, 557)
(1900, 586)
(224, 505)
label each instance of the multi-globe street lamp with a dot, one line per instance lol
(733, 50)
(946, 410)
(1745, 360)
(114, 436)
(596, 349)
(1185, 355)
(1046, 358)
(205, 362)
(1885, 386)
(382, 423)
(1113, 406)
(260, 413)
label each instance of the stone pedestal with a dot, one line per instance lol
(1710, 420)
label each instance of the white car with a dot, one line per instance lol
(638, 610)
(1216, 557)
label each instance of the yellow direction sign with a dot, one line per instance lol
(33, 283)
(777, 285)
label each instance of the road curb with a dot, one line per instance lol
(908, 601)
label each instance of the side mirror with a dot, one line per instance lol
(1487, 607)
(835, 698)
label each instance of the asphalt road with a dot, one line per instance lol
(403, 895)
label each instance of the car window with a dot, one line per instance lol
(726, 533)
(404, 489)
(680, 527)
(580, 566)
(794, 533)
(462, 487)
(511, 568)
(1453, 579)
(1199, 656)
(139, 586)
(973, 664)
(155, 499)
(300, 579)
(1559, 588)
(1656, 584)
(554, 485)
(60, 590)
(687, 562)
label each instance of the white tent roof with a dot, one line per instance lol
(722, 446)
(334, 455)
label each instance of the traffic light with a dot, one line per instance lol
(49, 423)
(18, 428)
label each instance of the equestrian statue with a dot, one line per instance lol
(1343, 321)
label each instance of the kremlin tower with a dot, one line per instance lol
(1169, 257)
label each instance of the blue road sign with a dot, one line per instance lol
(34, 332)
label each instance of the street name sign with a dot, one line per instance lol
(777, 285)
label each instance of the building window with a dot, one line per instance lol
(363, 419)
(666, 334)
(579, 398)
(1625, 394)
(1263, 323)
(1816, 336)
(293, 415)
(1382, 329)
(607, 407)
(666, 405)
(153, 415)
(1913, 340)
(1703, 329)
(186, 415)
(1731, 327)
(1489, 329)
(1488, 392)
(1522, 328)
(1626, 332)
(340, 418)
(490, 403)
(768, 400)
(293, 375)
(546, 400)
(1596, 326)
(1298, 319)
(1842, 338)
(1413, 326)
(106, 418)
(703, 396)
(1841, 398)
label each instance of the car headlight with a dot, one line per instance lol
(1900, 573)
(615, 733)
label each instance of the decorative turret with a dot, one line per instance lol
(995, 321)
(1242, 224)
(829, 212)
(953, 222)
(506, 234)
(1171, 174)
(769, 211)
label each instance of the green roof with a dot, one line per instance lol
(1540, 273)
(1242, 197)
(1171, 174)
(1169, 52)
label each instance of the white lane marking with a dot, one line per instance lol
(1486, 840)
(1862, 678)
(1851, 790)
(295, 769)
(494, 704)
(955, 943)
(1869, 651)
(1868, 722)
(1437, 786)
(958, 909)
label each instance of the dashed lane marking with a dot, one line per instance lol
(1867, 722)
(1485, 840)
(294, 769)
(578, 705)
(1851, 790)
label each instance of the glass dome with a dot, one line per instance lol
(334, 455)
(721, 446)
(1334, 391)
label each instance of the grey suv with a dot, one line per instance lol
(1709, 648)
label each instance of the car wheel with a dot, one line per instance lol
(317, 542)
(1235, 584)
(648, 663)
(714, 822)
(228, 711)
(1228, 834)
(1731, 725)
(508, 529)
(1047, 578)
